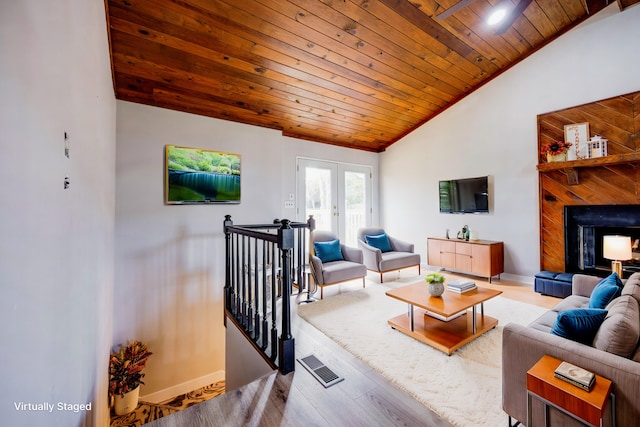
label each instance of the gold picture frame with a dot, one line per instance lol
(578, 135)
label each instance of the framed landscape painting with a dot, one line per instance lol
(199, 176)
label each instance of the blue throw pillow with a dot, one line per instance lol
(580, 324)
(379, 241)
(606, 291)
(328, 251)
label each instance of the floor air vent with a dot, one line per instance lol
(323, 374)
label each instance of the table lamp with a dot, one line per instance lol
(616, 248)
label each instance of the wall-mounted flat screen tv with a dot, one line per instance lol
(195, 176)
(469, 195)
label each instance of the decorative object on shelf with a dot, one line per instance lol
(125, 375)
(556, 151)
(436, 284)
(597, 147)
(577, 134)
(464, 233)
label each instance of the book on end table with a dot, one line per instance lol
(575, 375)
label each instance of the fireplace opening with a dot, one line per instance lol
(585, 227)
(634, 232)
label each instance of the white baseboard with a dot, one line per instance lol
(525, 280)
(185, 387)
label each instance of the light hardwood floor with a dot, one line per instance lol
(365, 398)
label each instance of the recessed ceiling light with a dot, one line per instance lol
(497, 16)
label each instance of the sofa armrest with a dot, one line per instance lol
(583, 284)
(400, 245)
(522, 347)
(371, 256)
(351, 254)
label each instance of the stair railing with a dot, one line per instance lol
(262, 262)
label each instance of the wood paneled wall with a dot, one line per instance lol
(614, 179)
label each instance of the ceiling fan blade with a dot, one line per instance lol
(511, 18)
(453, 9)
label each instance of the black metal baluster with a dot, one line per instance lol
(275, 279)
(256, 285)
(243, 297)
(249, 319)
(236, 270)
(265, 326)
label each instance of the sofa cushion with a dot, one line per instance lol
(632, 287)
(396, 260)
(339, 271)
(571, 302)
(544, 274)
(545, 322)
(379, 241)
(620, 330)
(328, 251)
(580, 324)
(605, 291)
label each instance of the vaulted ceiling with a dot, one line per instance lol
(354, 73)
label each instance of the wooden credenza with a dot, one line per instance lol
(479, 257)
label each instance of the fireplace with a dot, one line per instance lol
(584, 227)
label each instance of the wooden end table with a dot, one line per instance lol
(446, 323)
(585, 406)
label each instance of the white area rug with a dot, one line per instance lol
(464, 388)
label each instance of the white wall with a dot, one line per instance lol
(494, 132)
(56, 246)
(170, 259)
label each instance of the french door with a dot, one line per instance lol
(338, 195)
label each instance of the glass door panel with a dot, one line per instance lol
(320, 199)
(337, 195)
(357, 207)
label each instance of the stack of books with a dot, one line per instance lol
(575, 375)
(461, 286)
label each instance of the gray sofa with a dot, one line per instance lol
(523, 346)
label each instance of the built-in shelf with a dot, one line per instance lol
(614, 159)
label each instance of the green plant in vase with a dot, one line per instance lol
(436, 284)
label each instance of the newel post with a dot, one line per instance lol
(286, 242)
(227, 270)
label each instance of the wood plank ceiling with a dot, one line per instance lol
(354, 73)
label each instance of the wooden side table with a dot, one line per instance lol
(585, 406)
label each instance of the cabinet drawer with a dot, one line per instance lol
(463, 248)
(448, 247)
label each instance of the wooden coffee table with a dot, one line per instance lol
(445, 322)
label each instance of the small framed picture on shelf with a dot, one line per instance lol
(578, 135)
